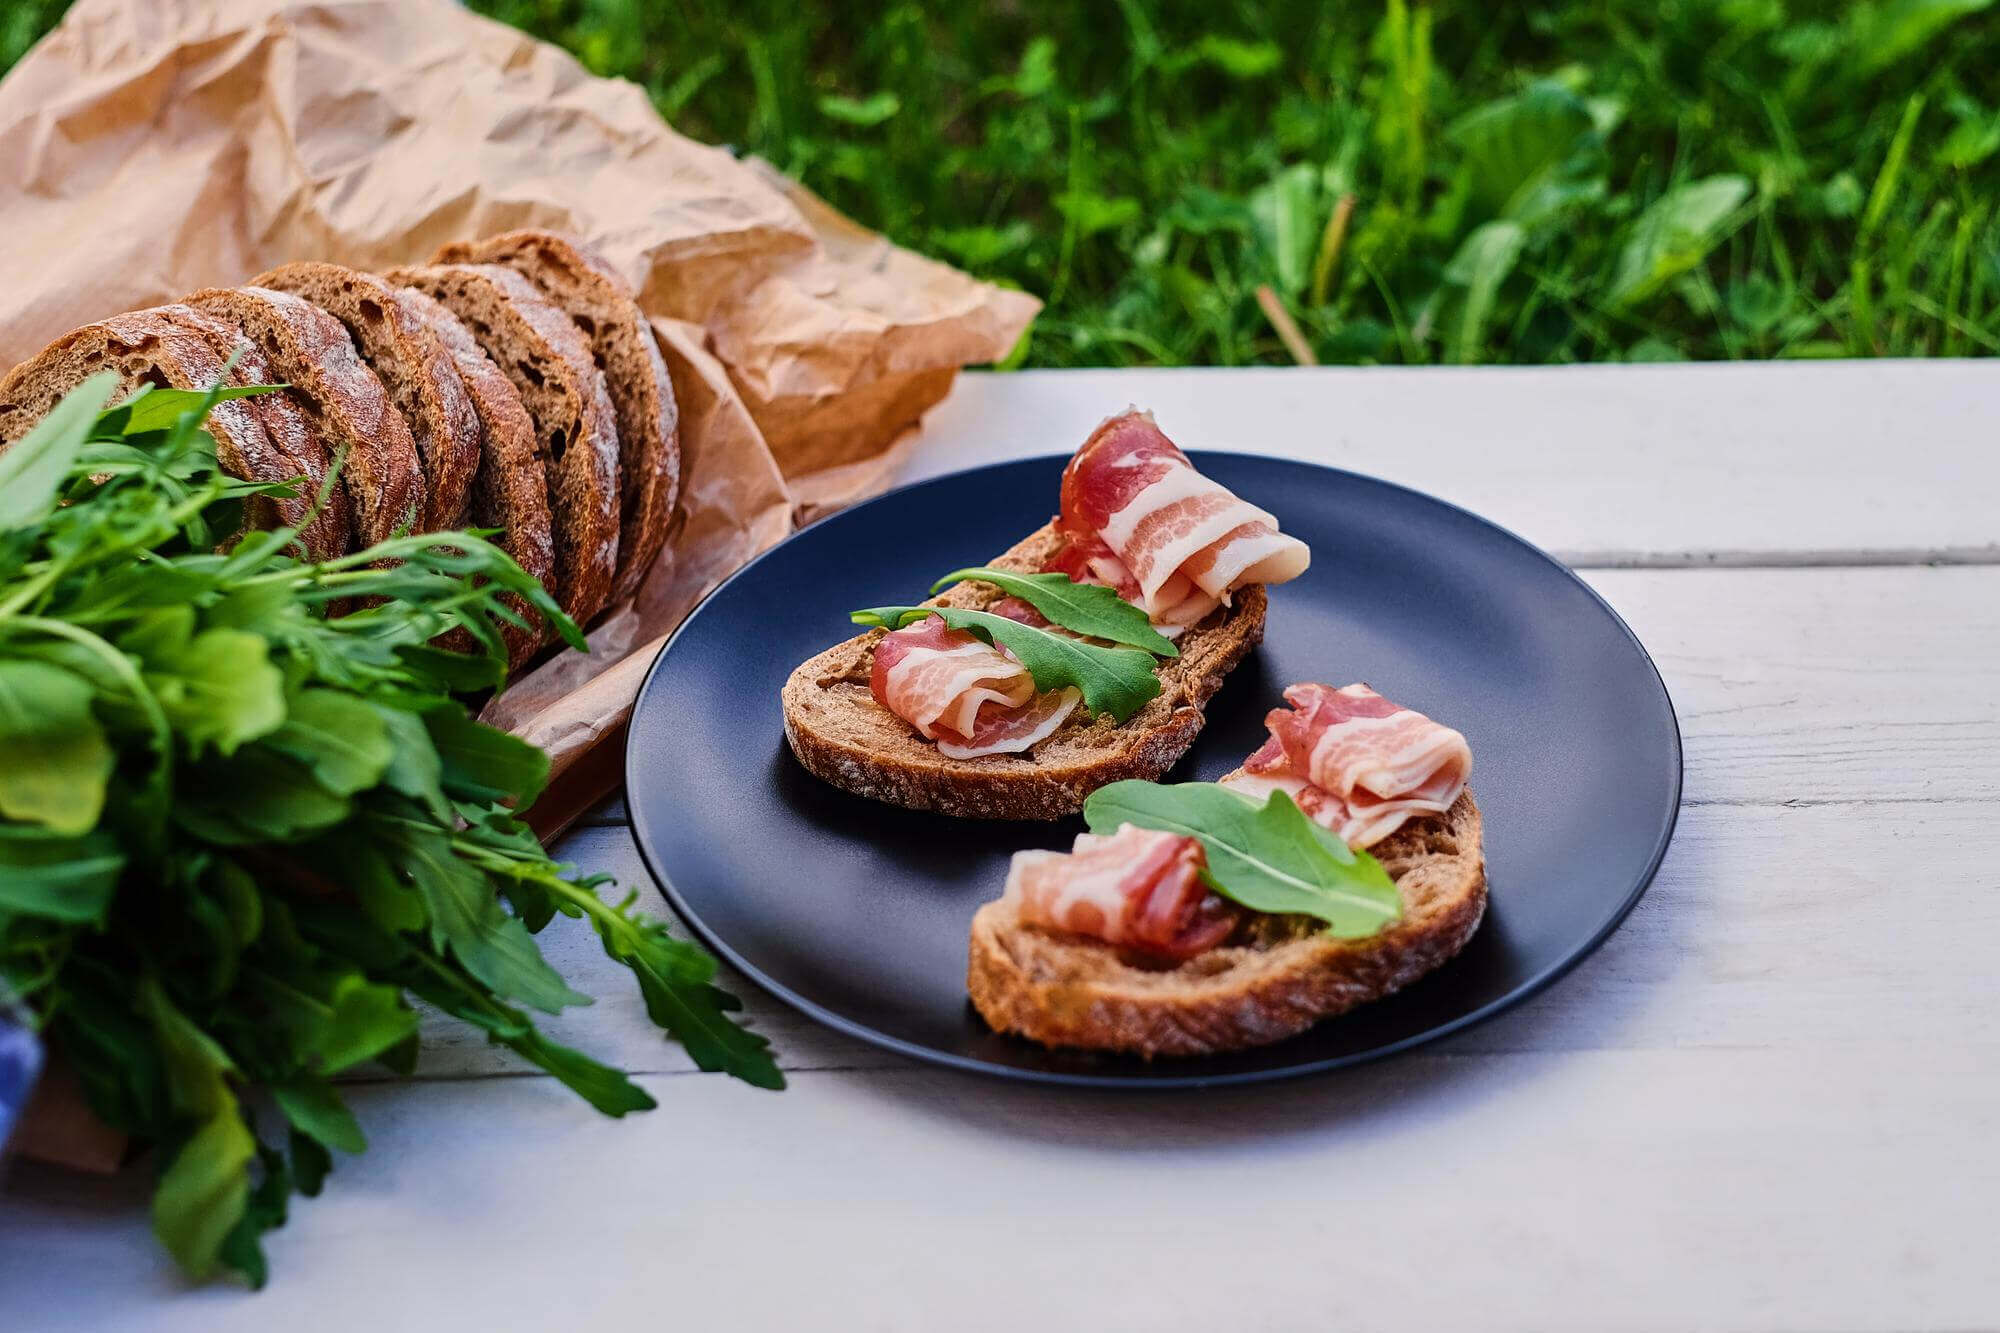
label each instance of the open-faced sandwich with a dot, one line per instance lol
(1341, 863)
(1082, 656)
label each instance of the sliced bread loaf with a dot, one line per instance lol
(548, 360)
(151, 347)
(292, 430)
(417, 373)
(510, 491)
(1277, 977)
(311, 351)
(843, 736)
(591, 292)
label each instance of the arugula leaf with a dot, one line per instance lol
(1082, 608)
(243, 1249)
(34, 470)
(155, 408)
(482, 763)
(66, 879)
(1118, 681)
(54, 759)
(256, 796)
(607, 1089)
(206, 1185)
(1269, 857)
(316, 1111)
(342, 739)
(467, 918)
(686, 1005)
(415, 769)
(220, 688)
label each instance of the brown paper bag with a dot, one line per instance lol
(149, 147)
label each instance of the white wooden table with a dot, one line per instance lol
(1772, 1100)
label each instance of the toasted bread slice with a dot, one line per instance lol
(416, 372)
(1277, 977)
(843, 736)
(586, 287)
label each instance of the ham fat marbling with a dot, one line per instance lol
(1138, 517)
(1136, 889)
(969, 696)
(1355, 762)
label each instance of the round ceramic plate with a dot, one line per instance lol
(856, 913)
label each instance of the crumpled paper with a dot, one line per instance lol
(150, 147)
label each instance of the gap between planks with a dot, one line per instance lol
(1889, 558)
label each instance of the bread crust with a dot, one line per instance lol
(509, 492)
(414, 368)
(313, 352)
(1278, 977)
(588, 289)
(843, 736)
(576, 426)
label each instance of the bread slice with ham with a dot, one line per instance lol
(843, 735)
(938, 719)
(1271, 978)
(1121, 944)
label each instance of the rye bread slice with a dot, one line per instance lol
(1276, 977)
(591, 292)
(151, 347)
(843, 736)
(416, 372)
(548, 360)
(311, 351)
(509, 491)
(292, 430)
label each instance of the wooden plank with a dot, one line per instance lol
(1703, 1188)
(1844, 462)
(1826, 685)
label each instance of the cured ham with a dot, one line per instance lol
(1355, 762)
(969, 696)
(1137, 517)
(1137, 889)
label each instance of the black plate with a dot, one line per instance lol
(856, 912)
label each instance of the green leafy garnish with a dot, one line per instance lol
(1082, 608)
(1269, 857)
(1118, 681)
(239, 840)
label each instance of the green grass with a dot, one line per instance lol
(1507, 183)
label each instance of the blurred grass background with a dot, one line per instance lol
(1238, 182)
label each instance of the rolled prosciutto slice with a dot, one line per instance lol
(1136, 516)
(1136, 888)
(1355, 762)
(969, 696)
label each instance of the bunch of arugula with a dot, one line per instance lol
(238, 838)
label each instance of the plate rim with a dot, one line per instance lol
(1158, 1083)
